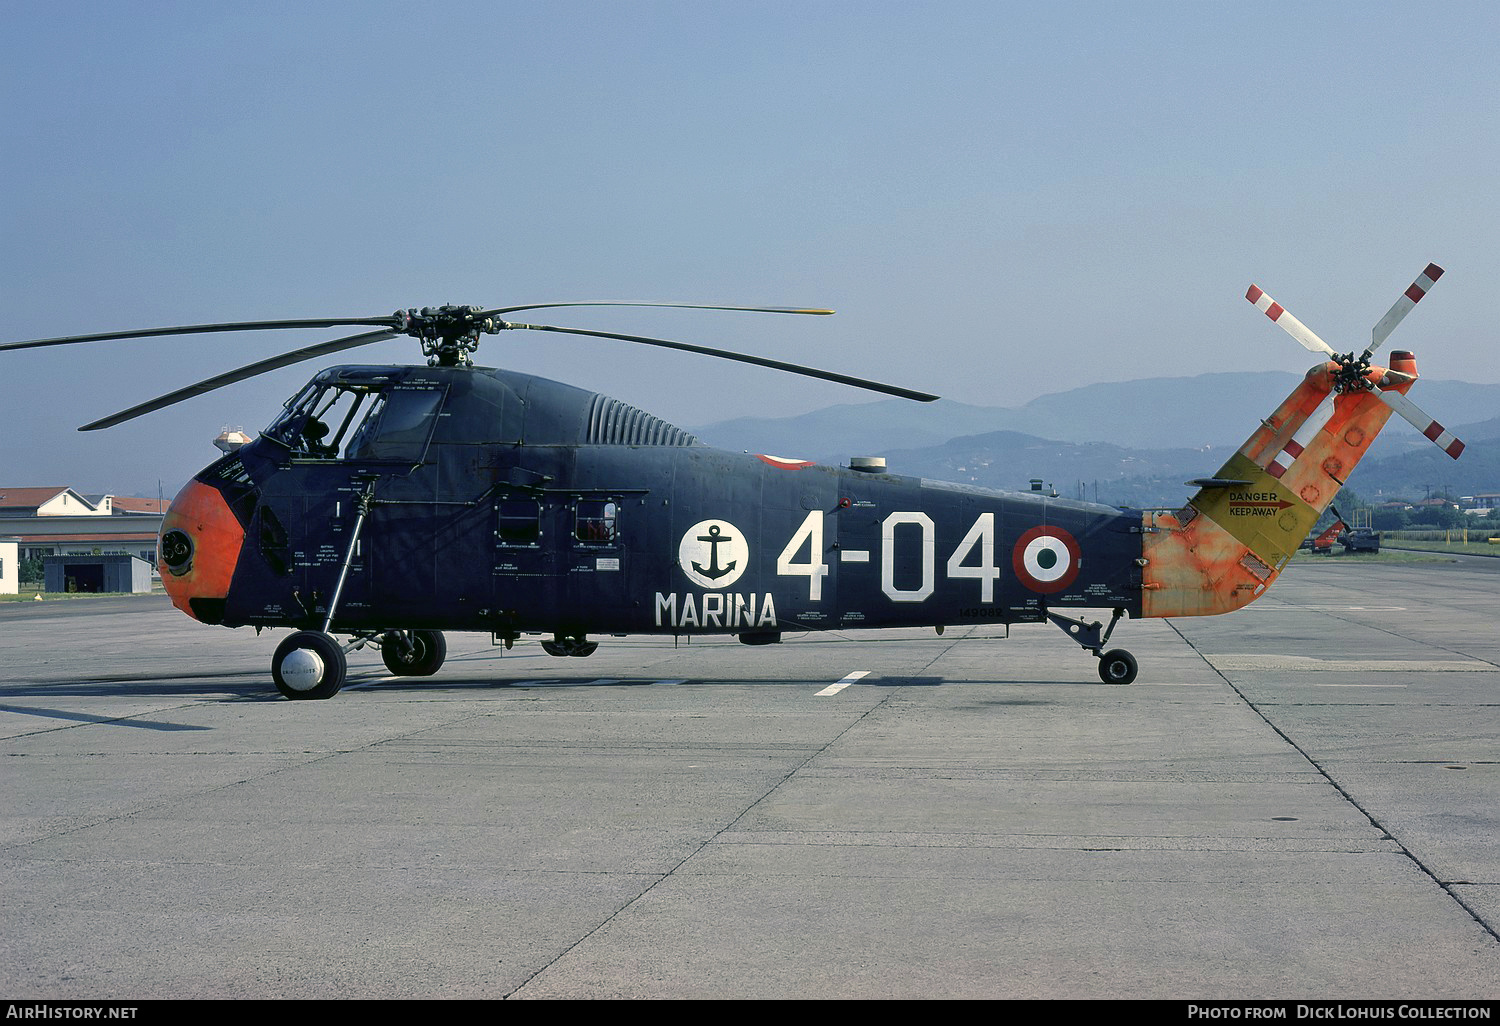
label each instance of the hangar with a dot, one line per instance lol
(117, 572)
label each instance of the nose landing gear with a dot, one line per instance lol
(312, 665)
(309, 665)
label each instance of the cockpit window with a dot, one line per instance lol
(406, 419)
(379, 422)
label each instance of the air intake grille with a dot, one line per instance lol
(612, 422)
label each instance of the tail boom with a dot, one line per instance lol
(1234, 537)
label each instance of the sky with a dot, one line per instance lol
(1001, 200)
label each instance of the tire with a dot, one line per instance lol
(309, 665)
(428, 650)
(1117, 667)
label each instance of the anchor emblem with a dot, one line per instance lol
(714, 571)
(713, 554)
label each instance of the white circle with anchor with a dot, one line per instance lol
(713, 554)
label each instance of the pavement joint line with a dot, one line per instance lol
(712, 840)
(1444, 885)
(1319, 607)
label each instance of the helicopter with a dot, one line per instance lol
(389, 504)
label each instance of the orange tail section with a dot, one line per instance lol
(1225, 547)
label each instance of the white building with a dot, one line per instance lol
(59, 521)
(10, 566)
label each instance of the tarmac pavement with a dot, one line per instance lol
(1295, 801)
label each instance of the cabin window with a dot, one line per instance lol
(597, 521)
(520, 522)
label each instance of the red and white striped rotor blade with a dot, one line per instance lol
(1320, 415)
(1440, 435)
(1410, 298)
(1293, 327)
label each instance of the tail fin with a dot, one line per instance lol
(1232, 539)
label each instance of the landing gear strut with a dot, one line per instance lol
(310, 664)
(1116, 666)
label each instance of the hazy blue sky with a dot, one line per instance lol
(1001, 200)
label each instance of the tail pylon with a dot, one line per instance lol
(1232, 539)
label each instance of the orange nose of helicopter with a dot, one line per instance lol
(197, 551)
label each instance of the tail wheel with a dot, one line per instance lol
(417, 654)
(309, 665)
(1117, 667)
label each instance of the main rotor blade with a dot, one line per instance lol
(758, 361)
(386, 321)
(1293, 327)
(1410, 298)
(1418, 419)
(248, 371)
(674, 306)
(194, 329)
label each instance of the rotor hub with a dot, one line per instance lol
(1351, 373)
(449, 333)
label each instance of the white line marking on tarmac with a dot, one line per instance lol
(834, 689)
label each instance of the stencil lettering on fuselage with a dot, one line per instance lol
(1265, 516)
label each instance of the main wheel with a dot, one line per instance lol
(422, 658)
(1117, 667)
(309, 664)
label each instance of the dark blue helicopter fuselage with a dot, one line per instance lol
(497, 501)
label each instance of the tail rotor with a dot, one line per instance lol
(1353, 372)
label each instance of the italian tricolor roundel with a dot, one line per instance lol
(1046, 559)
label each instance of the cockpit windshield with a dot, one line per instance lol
(380, 421)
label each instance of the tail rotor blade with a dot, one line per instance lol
(1304, 435)
(1439, 435)
(1293, 327)
(1403, 306)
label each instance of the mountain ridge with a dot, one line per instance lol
(1220, 408)
(1132, 443)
